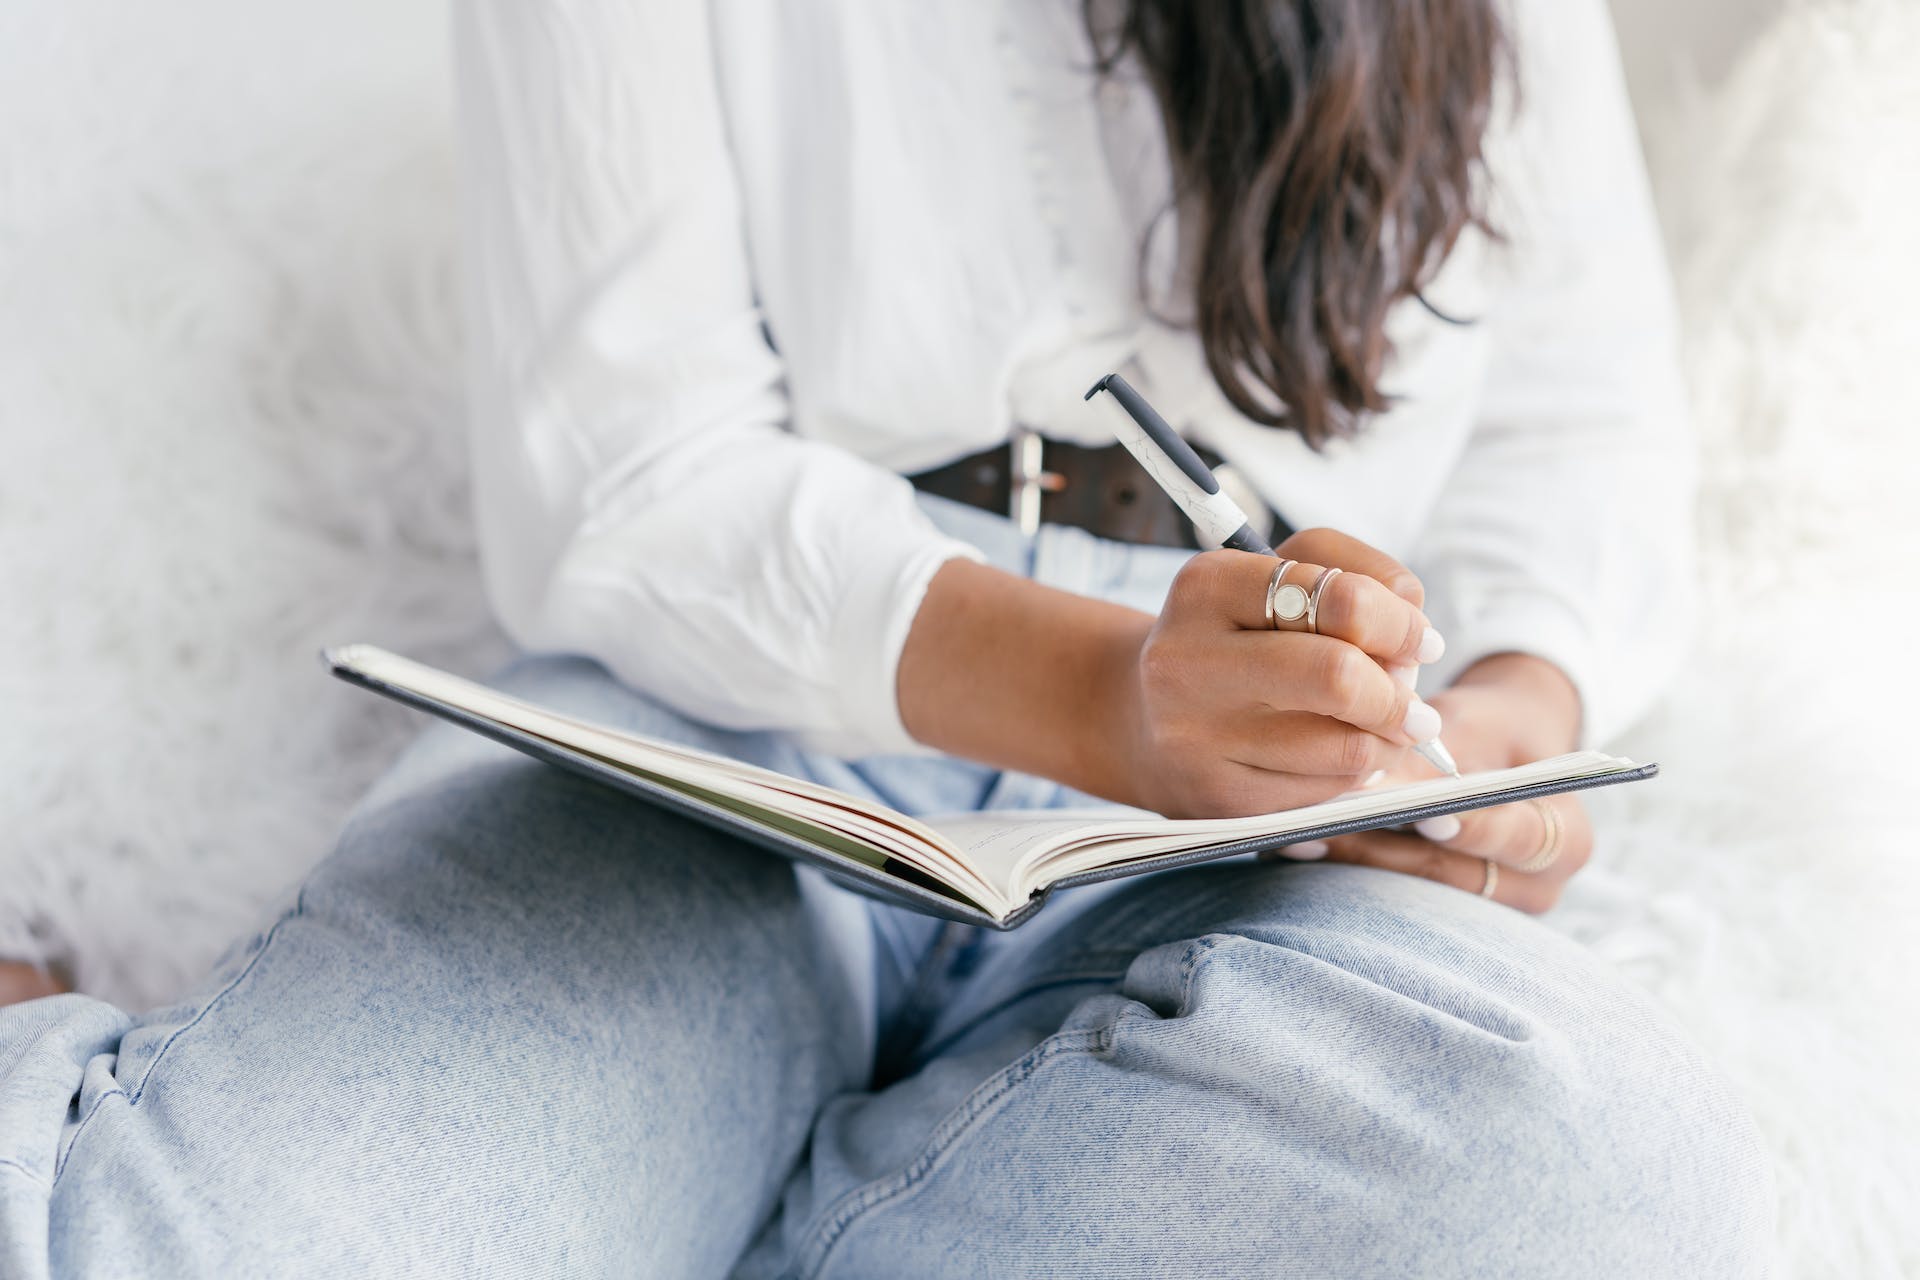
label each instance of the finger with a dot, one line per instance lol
(1363, 612)
(1352, 606)
(1414, 856)
(1331, 547)
(1298, 671)
(1517, 835)
(1299, 851)
(1226, 584)
(20, 983)
(1303, 742)
(1240, 790)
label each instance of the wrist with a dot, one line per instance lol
(1105, 741)
(1002, 670)
(1551, 712)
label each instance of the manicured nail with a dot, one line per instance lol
(1431, 645)
(1408, 676)
(1306, 850)
(1422, 723)
(1442, 828)
(1375, 778)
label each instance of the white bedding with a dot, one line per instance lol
(230, 409)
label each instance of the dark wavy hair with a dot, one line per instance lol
(1331, 150)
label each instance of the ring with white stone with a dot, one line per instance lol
(1549, 843)
(1313, 598)
(1285, 601)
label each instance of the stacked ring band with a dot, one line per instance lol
(1550, 842)
(1313, 598)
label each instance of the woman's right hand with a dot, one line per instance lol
(1201, 712)
(1218, 715)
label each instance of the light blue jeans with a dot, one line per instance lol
(520, 1025)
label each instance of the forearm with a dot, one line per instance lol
(1022, 676)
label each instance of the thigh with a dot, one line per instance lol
(515, 1024)
(1292, 1070)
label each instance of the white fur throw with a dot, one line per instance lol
(1765, 886)
(229, 370)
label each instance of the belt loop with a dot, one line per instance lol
(1026, 478)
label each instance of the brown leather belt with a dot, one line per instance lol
(1104, 491)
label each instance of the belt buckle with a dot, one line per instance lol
(1028, 480)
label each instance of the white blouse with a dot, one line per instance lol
(738, 264)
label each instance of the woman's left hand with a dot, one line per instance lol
(1506, 710)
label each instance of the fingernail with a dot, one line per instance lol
(1442, 828)
(1422, 723)
(1375, 778)
(1408, 676)
(1306, 850)
(1431, 645)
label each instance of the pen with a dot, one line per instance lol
(1176, 468)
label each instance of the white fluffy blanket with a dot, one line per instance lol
(229, 403)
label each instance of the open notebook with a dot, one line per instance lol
(993, 869)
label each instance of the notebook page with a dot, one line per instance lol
(742, 788)
(390, 668)
(1024, 851)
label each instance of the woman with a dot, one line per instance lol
(741, 270)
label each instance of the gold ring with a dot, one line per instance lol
(1493, 877)
(1550, 843)
(1313, 598)
(1285, 601)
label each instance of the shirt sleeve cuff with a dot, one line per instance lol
(869, 634)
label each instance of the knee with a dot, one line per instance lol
(1417, 1069)
(514, 849)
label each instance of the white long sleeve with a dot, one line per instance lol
(1565, 529)
(735, 262)
(638, 496)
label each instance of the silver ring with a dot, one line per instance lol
(1285, 601)
(1493, 878)
(1313, 598)
(1550, 844)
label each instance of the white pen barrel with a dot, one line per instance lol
(1216, 518)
